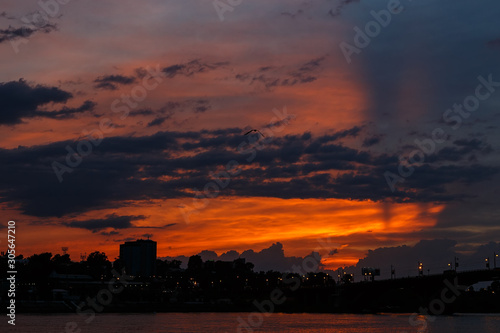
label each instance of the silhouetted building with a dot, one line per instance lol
(139, 257)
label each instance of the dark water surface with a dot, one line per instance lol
(248, 322)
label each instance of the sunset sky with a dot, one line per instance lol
(157, 96)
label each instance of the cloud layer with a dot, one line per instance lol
(172, 136)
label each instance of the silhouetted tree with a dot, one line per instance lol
(174, 264)
(97, 258)
(195, 263)
(37, 269)
(61, 259)
(40, 265)
(118, 265)
(98, 264)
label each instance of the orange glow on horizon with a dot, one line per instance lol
(301, 225)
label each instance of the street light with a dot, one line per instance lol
(420, 268)
(495, 256)
(487, 260)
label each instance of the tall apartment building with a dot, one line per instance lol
(139, 257)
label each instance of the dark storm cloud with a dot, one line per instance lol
(110, 81)
(157, 121)
(111, 233)
(271, 258)
(273, 77)
(65, 112)
(351, 132)
(142, 112)
(435, 254)
(473, 144)
(429, 176)
(115, 222)
(128, 168)
(311, 65)
(192, 67)
(21, 100)
(106, 176)
(329, 152)
(170, 108)
(462, 150)
(123, 240)
(12, 33)
(372, 141)
(483, 211)
(334, 12)
(200, 105)
(304, 9)
(112, 221)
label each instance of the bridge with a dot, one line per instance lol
(444, 293)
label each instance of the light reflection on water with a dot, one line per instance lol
(229, 322)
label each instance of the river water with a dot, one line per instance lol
(248, 322)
